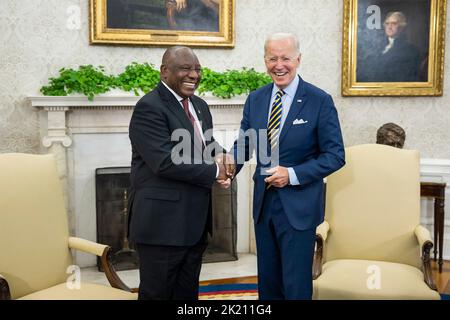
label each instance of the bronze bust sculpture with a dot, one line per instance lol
(391, 134)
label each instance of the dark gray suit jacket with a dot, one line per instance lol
(170, 204)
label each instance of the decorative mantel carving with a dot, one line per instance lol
(87, 114)
(56, 127)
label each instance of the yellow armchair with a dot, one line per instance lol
(34, 237)
(371, 245)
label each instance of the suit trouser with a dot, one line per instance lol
(170, 272)
(284, 254)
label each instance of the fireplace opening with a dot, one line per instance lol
(112, 185)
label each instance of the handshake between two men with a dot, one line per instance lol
(277, 176)
(227, 169)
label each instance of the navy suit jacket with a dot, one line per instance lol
(312, 147)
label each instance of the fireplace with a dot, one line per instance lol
(112, 185)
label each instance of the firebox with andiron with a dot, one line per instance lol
(112, 215)
(125, 255)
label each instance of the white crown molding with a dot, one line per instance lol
(436, 167)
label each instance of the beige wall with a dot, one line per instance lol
(35, 43)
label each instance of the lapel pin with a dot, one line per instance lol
(299, 100)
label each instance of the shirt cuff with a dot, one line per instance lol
(217, 171)
(293, 180)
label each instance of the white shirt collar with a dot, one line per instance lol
(290, 90)
(179, 98)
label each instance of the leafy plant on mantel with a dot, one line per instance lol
(232, 82)
(143, 77)
(87, 80)
(137, 76)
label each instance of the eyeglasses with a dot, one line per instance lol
(283, 59)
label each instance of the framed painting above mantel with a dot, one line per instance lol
(196, 23)
(393, 47)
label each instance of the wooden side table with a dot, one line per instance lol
(436, 190)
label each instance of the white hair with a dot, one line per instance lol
(400, 18)
(283, 36)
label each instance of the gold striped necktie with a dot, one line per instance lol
(273, 128)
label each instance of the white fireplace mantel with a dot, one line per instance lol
(85, 135)
(112, 114)
(118, 100)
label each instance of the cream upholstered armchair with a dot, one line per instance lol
(34, 237)
(371, 245)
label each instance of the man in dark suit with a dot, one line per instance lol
(170, 196)
(392, 60)
(301, 133)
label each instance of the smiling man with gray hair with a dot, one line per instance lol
(301, 129)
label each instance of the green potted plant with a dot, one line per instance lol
(140, 78)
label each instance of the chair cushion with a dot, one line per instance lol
(87, 291)
(348, 279)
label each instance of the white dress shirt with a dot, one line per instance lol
(194, 114)
(191, 110)
(286, 100)
(389, 45)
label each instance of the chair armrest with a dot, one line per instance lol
(423, 235)
(4, 289)
(321, 237)
(87, 246)
(323, 229)
(104, 252)
(426, 244)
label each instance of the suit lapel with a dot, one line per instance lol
(175, 107)
(263, 104)
(200, 115)
(296, 106)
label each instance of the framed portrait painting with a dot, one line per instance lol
(393, 47)
(197, 23)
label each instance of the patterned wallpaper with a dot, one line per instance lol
(38, 37)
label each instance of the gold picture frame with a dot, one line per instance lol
(371, 66)
(196, 23)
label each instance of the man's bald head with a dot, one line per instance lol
(181, 70)
(172, 53)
